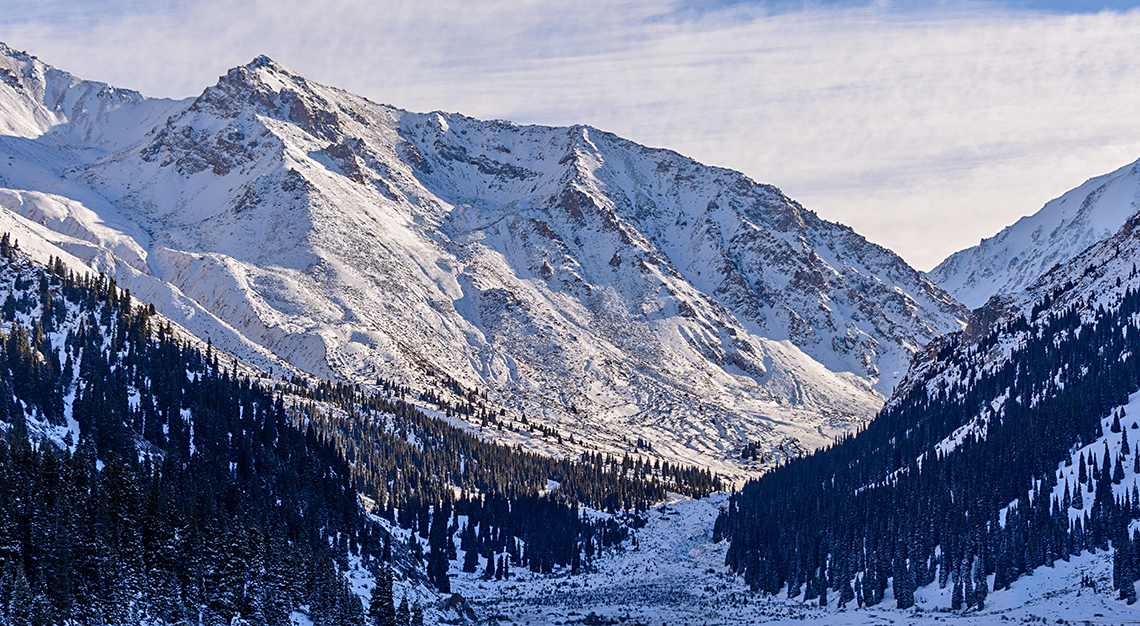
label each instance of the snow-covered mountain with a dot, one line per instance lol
(1098, 279)
(1017, 256)
(616, 291)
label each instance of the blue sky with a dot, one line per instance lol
(925, 126)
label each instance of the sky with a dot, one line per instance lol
(925, 126)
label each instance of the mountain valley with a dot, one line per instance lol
(280, 355)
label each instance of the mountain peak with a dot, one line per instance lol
(262, 61)
(261, 87)
(264, 67)
(261, 75)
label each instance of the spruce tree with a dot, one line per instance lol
(981, 585)
(438, 544)
(381, 609)
(471, 559)
(490, 571)
(403, 615)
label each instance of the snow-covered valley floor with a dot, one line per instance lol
(674, 576)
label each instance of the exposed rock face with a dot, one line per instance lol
(616, 290)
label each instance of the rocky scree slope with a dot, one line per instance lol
(617, 291)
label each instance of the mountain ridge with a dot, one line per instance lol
(1020, 253)
(610, 289)
(1005, 452)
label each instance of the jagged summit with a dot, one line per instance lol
(618, 291)
(62, 111)
(262, 61)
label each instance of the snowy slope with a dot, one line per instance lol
(1017, 256)
(617, 291)
(674, 574)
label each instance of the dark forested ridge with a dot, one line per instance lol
(967, 474)
(145, 479)
(181, 493)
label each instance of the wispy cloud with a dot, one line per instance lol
(923, 128)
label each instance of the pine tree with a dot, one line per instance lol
(490, 571)
(19, 607)
(403, 616)
(381, 610)
(981, 585)
(956, 595)
(437, 558)
(469, 543)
